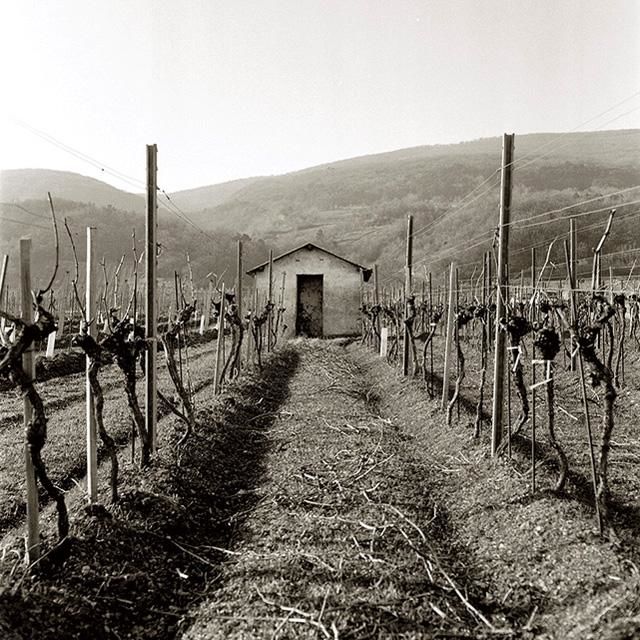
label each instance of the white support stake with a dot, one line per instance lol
(448, 345)
(384, 341)
(51, 344)
(219, 345)
(92, 446)
(3, 277)
(28, 365)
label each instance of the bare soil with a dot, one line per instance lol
(326, 497)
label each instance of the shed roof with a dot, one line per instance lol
(310, 246)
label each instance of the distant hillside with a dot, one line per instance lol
(358, 206)
(32, 184)
(211, 196)
(213, 253)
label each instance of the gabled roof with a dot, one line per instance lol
(310, 246)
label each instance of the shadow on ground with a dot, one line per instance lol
(139, 569)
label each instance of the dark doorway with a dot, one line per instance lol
(309, 307)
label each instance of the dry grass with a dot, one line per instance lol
(327, 498)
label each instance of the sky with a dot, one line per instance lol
(235, 88)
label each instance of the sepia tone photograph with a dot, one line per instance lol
(319, 319)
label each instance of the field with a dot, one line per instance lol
(325, 497)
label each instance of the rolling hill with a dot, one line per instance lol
(358, 206)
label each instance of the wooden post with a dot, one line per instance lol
(502, 289)
(408, 265)
(92, 440)
(585, 401)
(256, 304)
(456, 337)
(533, 382)
(611, 287)
(151, 308)
(62, 314)
(489, 287)
(28, 365)
(219, 341)
(376, 301)
(239, 292)
(431, 342)
(206, 312)
(239, 279)
(573, 262)
(270, 299)
(449, 337)
(3, 277)
(3, 295)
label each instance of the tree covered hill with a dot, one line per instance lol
(358, 207)
(113, 238)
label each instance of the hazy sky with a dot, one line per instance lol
(233, 88)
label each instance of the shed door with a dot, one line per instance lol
(309, 307)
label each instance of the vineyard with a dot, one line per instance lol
(467, 466)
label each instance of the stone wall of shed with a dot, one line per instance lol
(341, 290)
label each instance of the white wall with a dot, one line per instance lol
(340, 296)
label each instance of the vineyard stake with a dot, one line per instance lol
(407, 292)
(376, 301)
(448, 338)
(62, 315)
(3, 277)
(256, 304)
(270, 299)
(219, 341)
(583, 389)
(206, 312)
(456, 337)
(501, 292)
(489, 288)
(573, 262)
(533, 380)
(28, 365)
(239, 291)
(151, 308)
(483, 350)
(91, 434)
(178, 308)
(431, 390)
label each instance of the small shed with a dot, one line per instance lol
(321, 294)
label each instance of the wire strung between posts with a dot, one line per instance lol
(458, 207)
(443, 254)
(19, 206)
(579, 214)
(554, 140)
(170, 206)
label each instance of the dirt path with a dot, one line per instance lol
(343, 541)
(326, 498)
